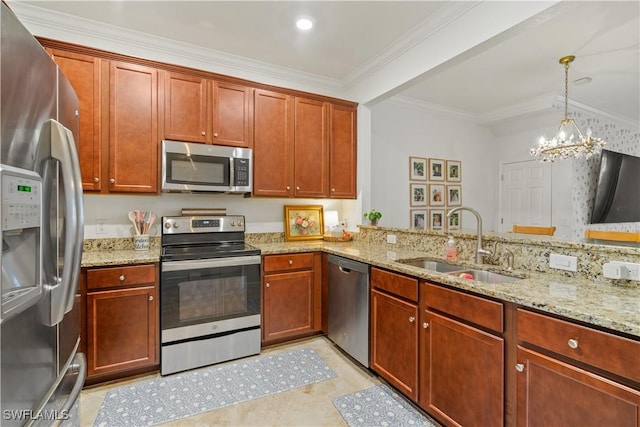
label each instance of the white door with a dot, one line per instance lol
(526, 194)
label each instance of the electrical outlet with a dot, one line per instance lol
(100, 226)
(563, 262)
(621, 270)
(391, 238)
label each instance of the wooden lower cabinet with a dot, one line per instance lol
(394, 341)
(554, 393)
(461, 372)
(291, 295)
(121, 321)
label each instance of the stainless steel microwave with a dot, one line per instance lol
(190, 167)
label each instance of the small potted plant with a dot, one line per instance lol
(373, 216)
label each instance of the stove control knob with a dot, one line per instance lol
(167, 225)
(232, 223)
(240, 223)
(176, 225)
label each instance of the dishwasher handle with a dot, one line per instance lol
(347, 265)
(344, 270)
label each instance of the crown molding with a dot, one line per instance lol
(429, 26)
(72, 29)
(429, 107)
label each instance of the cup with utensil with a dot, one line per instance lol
(142, 222)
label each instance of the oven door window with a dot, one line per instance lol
(198, 170)
(191, 297)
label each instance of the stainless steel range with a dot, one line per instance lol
(209, 292)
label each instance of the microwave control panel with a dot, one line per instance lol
(241, 168)
(21, 198)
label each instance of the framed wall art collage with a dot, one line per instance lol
(435, 186)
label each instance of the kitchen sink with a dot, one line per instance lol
(433, 265)
(484, 276)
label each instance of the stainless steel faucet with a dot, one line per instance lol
(480, 251)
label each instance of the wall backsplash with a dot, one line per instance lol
(585, 172)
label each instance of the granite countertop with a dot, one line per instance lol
(606, 305)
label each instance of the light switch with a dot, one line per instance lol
(563, 262)
(391, 238)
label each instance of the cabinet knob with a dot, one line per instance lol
(215, 135)
(519, 367)
(121, 278)
(112, 180)
(288, 188)
(290, 262)
(333, 189)
(573, 343)
(425, 325)
(150, 297)
(412, 319)
(267, 285)
(297, 188)
(203, 133)
(96, 179)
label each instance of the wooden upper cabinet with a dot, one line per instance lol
(206, 111)
(185, 108)
(83, 72)
(272, 144)
(231, 115)
(133, 128)
(342, 152)
(311, 148)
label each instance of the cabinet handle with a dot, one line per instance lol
(519, 367)
(290, 262)
(112, 180)
(96, 179)
(412, 319)
(121, 278)
(150, 297)
(573, 343)
(267, 285)
(425, 325)
(203, 133)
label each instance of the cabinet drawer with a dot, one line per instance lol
(99, 278)
(479, 311)
(602, 350)
(403, 286)
(288, 262)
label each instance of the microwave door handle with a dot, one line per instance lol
(63, 293)
(232, 175)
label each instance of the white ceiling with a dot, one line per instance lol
(513, 69)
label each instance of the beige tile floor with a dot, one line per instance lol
(310, 405)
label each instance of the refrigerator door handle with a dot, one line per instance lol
(63, 149)
(78, 365)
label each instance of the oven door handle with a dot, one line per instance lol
(197, 264)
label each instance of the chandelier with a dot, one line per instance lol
(569, 141)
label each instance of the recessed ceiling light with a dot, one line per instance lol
(304, 23)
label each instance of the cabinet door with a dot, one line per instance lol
(394, 342)
(185, 108)
(272, 145)
(288, 305)
(83, 72)
(461, 372)
(342, 152)
(122, 329)
(311, 149)
(553, 393)
(231, 115)
(133, 128)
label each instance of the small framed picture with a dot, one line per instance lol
(454, 171)
(419, 219)
(417, 169)
(436, 195)
(454, 195)
(303, 222)
(418, 194)
(454, 221)
(436, 170)
(436, 219)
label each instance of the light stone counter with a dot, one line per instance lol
(603, 304)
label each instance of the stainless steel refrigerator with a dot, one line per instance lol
(42, 371)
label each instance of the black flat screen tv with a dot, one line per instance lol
(618, 189)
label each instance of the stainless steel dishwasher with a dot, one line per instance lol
(349, 307)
